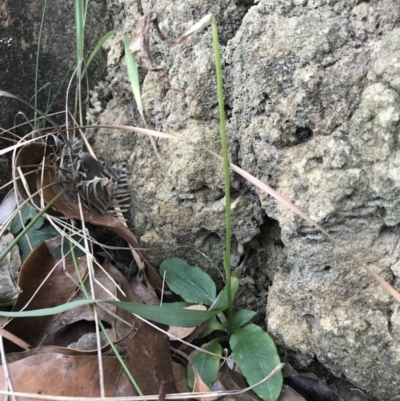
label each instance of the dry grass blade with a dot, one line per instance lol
(266, 188)
(181, 396)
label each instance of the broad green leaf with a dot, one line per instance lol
(37, 234)
(206, 364)
(242, 317)
(36, 237)
(256, 355)
(222, 300)
(19, 222)
(212, 325)
(190, 282)
(171, 316)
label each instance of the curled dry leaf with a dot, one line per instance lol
(140, 44)
(67, 205)
(49, 283)
(183, 332)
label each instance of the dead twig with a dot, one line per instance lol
(140, 44)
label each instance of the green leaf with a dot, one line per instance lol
(100, 43)
(133, 75)
(48, 311)
(66, 248)
(206, 364)
(176, 305)
(256, 355)
(212, 325)
(171, 316)
(37, 234)
(23, 218)
(222, 300)
(242, 317)
(36, 237)
(190, 282)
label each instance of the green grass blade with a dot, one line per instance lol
(80, 39)
(97, 49)
(256, 355)
(38, 91)
(133, 75)
(170, 316)
(48, 311)
(37, 60)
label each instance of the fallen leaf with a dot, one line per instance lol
(232, 380)
(183, 332)
(67, 205)
(180, 378)
(149, 360)
(54, 290)
(58, 374)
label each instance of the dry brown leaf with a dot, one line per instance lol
(67, 205)
(183, 332)
(56, 290)
(200, 386)
(180, 378)
(140, 44)
(58, 374)
(149, 360)
(232, 380)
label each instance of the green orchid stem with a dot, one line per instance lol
(227, 252)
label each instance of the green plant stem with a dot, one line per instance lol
(80, 19)
(227, 252)
(103, 329)
(37, 60)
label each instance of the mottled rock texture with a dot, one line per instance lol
(313, 108)
(312, 101)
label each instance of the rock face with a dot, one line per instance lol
(313, 108)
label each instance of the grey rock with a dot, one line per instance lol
(312, 96)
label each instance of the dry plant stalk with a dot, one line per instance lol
(140, 44)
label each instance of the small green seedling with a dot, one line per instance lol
(252, 349)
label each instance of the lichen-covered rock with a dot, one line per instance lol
(312, 101)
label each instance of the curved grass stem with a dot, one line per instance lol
(221, 108)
